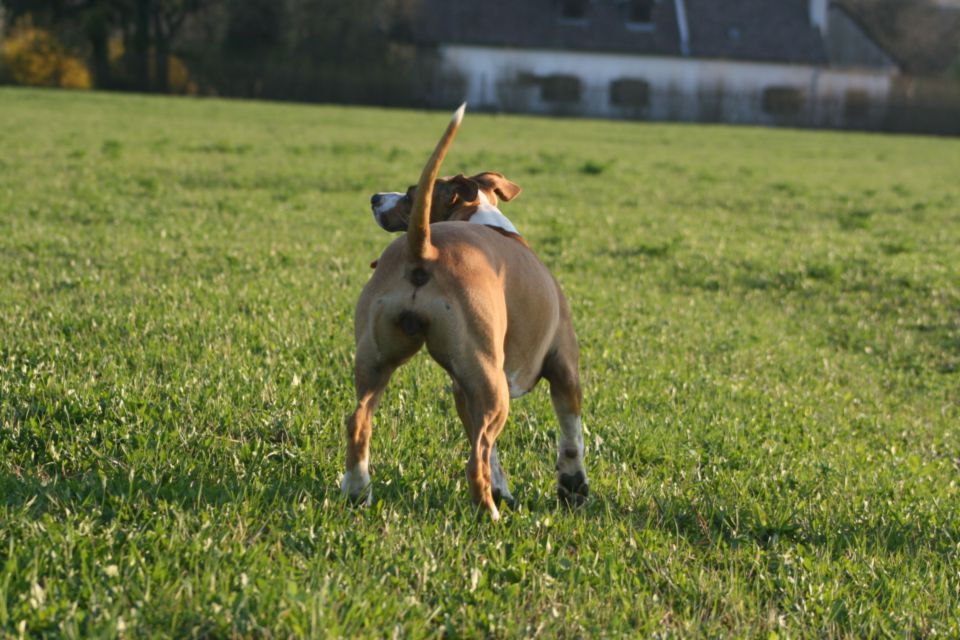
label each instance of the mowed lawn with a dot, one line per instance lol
(769, 324)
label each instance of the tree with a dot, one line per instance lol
(167, 18)
(254, 27)
(334, 50)
(149, 28)
(98, 23)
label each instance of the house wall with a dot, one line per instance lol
(679, 88)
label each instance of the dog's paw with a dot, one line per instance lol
(503, 498)
(491, 512)
(572, 488)
(363, 499)
(355, 487)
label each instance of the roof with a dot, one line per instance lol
(537, 24)
(760, 30)
(923, 37)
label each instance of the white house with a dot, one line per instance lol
(800, 62)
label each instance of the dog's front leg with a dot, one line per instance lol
(572, 485)
(501, 490)
(562, 373)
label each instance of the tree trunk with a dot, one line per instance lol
(164, 30)
(141, 46)
(98, 32)
(162, 52)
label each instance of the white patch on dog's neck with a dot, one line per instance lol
(489, 215)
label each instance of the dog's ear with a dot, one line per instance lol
(466, 188)
(504, 189)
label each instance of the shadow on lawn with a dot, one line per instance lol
(708, 526)
(107, 495)
(116, 494)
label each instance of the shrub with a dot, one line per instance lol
(34, 56)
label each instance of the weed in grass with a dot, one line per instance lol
(592, 168)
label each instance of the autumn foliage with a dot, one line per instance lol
(34, 56)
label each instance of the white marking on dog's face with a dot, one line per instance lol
(384, 203)
(489, 215)
(356, 481)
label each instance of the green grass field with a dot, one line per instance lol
(770, 333)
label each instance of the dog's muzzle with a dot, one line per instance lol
(381, 204)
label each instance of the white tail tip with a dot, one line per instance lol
(458, 114)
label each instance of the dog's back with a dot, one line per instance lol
(471, 287)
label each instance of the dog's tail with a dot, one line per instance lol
(418, 230)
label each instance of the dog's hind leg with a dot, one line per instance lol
(483, 402)
(561, 371)
(371, 375)
(498, 479)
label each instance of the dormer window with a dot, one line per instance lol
(573, 11)
(639, 12)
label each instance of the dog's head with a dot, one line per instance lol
(454, 198)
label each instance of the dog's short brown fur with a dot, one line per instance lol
(489, 312)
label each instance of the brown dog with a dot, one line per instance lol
(489, 312)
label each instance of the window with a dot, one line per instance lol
(640, 11)
(527, 79)
(573, 10)
(560, 89)
(856, 104)
(630, 92)
(782, 101)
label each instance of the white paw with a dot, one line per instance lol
(355, 485)
(494, 514)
